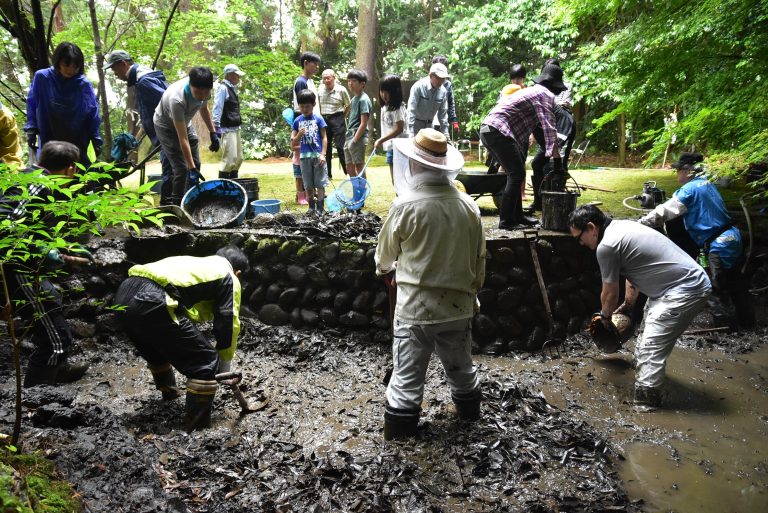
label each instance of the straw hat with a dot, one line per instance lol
(431, 148)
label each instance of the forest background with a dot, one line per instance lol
(650, 78)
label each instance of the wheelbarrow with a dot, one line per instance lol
(479, 183)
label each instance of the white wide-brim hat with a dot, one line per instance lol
(431, 149)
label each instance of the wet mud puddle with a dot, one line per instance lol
(705, 451)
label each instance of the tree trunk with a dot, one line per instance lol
(365, 51)
(31, 39)
(622, 139)
(107, 132)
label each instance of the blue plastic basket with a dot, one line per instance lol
(215, 204)
(266, 206)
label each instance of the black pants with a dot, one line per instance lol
(730, 302)
(157, 337)
(507, 152)
(336, 133)
(42, 307)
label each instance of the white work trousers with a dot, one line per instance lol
(231, 151)
(666, 318)
(411, 349)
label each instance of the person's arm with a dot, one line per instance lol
(226, 317)
(451, 104)
(546, 118)
(206, 115)
(296, 136)
(630, 297)
(361, 129)
(388, 247)
(218, 105)
(345, 100)
(609, 299)
(93, 121)
(397, 130)
(31, 124)
(670, 209)
(413, 103)
(481, 254)
(325, 144)
(186, 150)
(442, 116)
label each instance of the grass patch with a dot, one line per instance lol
(29, 484)
(276, 181)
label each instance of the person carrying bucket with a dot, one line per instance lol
(433, 237)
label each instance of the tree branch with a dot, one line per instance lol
(111, 17)
(165, 33)
(50, 23)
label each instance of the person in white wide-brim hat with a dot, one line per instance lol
(433, 236)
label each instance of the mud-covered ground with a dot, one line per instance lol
(316, 443)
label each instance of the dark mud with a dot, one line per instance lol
(342, 225)
(317, 446)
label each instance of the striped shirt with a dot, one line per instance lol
(333, 101)
(516, 116)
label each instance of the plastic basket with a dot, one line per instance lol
(266, 206)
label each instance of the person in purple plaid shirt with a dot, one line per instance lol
(507, 127)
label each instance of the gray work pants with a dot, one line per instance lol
(666, 318)
(169, 140)
(411, 350)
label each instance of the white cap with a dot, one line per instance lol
(232, 68)
(440, 70)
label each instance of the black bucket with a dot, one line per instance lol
(251, 186)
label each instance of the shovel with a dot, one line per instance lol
(232, 379)
(551, 344)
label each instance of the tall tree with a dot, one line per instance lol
(31, 37)
(107, 127)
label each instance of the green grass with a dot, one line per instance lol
(276, 181)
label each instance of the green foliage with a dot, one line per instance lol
(704, 61)
(29, 483)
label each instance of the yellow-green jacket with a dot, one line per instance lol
(9, 138)
(202, 289)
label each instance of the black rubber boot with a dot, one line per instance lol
(64, 372)
(400, 423)
(200, 394)
(468, 404)
(647, 398)
(165, 381)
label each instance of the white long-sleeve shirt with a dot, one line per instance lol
(435, 235)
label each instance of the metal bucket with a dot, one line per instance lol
(251, 187)
(215, 204)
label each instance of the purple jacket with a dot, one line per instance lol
(62, 109)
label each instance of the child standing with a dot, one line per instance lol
(357, 127)
(392, 115)
(309, 132)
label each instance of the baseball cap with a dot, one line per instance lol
(115, 57)
(440, 70)
(232, 68)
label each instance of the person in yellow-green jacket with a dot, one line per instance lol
(161, 303)
(9, 138)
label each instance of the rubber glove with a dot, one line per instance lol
(215, 144)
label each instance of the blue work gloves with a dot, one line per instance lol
(215, 144)
(193, 177)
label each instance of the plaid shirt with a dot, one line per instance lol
(333, 101)
(516, 116)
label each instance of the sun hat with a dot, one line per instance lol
(440, 70)
(431, 149)
(688, 160)
(115, 57)
(232, 68)
(553, 76)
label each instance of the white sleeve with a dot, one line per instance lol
(670, 209)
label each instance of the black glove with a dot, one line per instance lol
(32, 138)
(215, 144)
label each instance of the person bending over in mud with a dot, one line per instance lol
(161, 303)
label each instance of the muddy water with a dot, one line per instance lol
(706, 451)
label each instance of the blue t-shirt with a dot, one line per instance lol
(706, 216)
(312, 141)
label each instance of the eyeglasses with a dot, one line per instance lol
(578, 239)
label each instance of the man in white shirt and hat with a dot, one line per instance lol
(227, 120)
(434, 238)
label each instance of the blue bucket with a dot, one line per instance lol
(266, 206)
(215, 204)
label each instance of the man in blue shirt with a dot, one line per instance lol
(149, 86)
(708, 223)
(227, 121)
